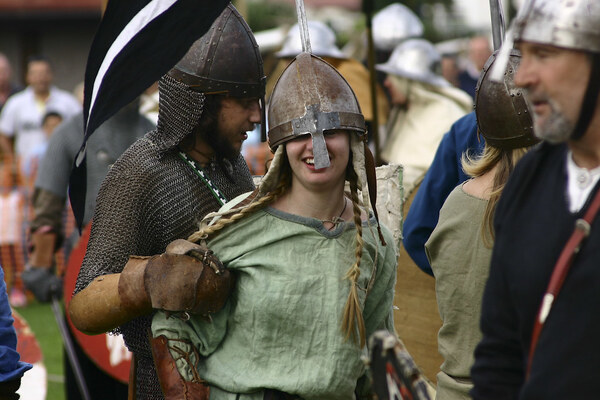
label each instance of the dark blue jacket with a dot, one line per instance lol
(10, 366)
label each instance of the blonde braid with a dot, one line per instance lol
(263, 201)
(352, 311)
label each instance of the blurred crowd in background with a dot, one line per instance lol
(414, 74)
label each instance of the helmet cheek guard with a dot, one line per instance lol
(503, 117)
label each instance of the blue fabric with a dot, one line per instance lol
(444, 174)
(467, 83)
(10, 366)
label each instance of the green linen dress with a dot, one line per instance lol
(460, 263)
(281, 327)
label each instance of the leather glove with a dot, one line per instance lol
(44, 284)
(175, 283)
(179, 283)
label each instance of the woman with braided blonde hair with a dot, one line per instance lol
(314, 275)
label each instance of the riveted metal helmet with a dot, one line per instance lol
(503, 117)
(322, 40)
(572, 24)
(311, 97)
(393, 24)
(415, 59)
(213, 64)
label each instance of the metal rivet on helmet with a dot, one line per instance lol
(503, 117)
(215, 58)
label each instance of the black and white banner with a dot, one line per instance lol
(137, 42)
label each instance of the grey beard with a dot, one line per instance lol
(557, 128)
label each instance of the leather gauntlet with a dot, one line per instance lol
(196, 283)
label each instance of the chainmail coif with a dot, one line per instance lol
(149, 198)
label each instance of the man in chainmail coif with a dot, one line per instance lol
(165, 183)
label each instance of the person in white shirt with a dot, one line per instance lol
(21, 118)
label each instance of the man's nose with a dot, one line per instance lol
(255, 112)
(523, 76)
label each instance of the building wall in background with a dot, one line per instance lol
(62, 30)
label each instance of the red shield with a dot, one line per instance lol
(107, 351)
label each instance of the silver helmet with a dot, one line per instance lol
(322, 40)
(572, 24)
(503, 117)
(311, 97)
(393, 24)
(415, 59)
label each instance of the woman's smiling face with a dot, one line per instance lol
(300, 155)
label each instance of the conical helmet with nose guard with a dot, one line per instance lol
(311, 97)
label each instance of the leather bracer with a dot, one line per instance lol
(172, 384)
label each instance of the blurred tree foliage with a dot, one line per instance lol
(264, 15)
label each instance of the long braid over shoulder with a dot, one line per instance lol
(254, 206)
(257, 204)
(353, 316)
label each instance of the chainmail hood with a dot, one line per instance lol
(179, 111)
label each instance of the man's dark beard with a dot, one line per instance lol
(224, 153)
(223, 149)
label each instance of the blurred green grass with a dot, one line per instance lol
(41, 320)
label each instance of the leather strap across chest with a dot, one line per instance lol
(565, 260)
